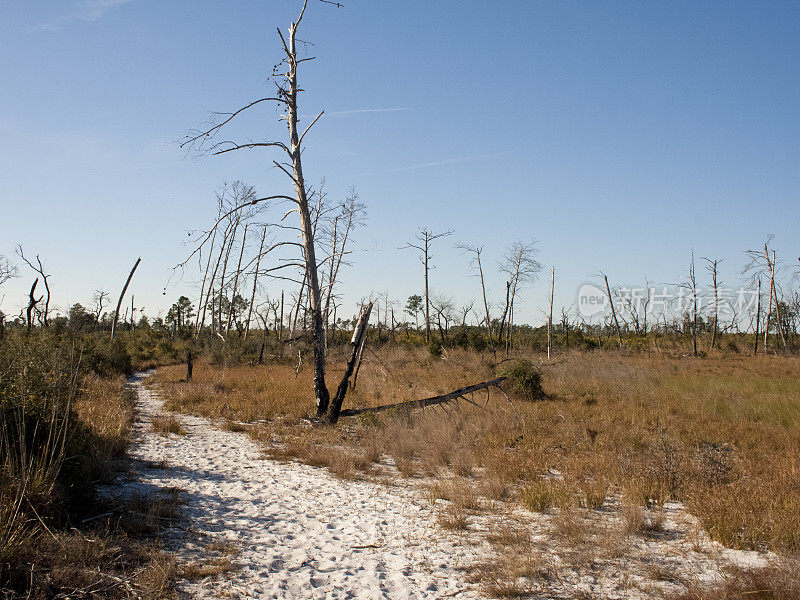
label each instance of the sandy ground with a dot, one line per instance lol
(298, 531)
(294, 531)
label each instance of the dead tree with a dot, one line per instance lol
(8, 270)
(764, 263)
(459, 394)
(122, 295)
(758, 316)
(238, 271)
(713, 268)
(476, 250)
(39, 269)
(425, 237)
(550, 317)
(357, 349)
(285, 78)
(32, 302)
(255, 282)
(99, 298)
(613, 311)
(338, 232)
(521, 268)
(691, 283)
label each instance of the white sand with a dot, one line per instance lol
(301, 533)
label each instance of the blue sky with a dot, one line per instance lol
(620, 135)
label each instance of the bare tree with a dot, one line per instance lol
(550, 316)
(613, 311)
(32, 302)
(287, 90)
(425, 237)
(476, 250)
(691, 285)
(521, 268)
(337, 233)
(99, 299)
(255, 281)
(121, 296)
(764, 263)
(39, 269)
(8, 270)
(713, 268)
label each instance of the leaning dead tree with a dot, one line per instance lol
(285, 77)
(121, 296)
(613, 311)
(443, 399)
(424, 238)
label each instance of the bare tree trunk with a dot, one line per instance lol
(210, 294)
(122, 295)
(357, 344)
(758, 317)
(716, 303)
(505, 313)
(485, 302)
(771, 267)
(298, 305)
(550, 319)
(236, 280)
(224, 271)
(255, 283)
(427, 296)
(281, 332)
(777, 303)
(32, 302)
(613, 311)
(200, 305)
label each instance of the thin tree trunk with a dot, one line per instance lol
(550, 319)
(224, 271)
(485, 302)
(427, 298)
(199, 323)
(357, 349)
(613, 311)
(121, 296)
(236, 280)
(758, 317)
(255, 283)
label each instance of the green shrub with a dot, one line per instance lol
(435, 347)
(477, 340)
(523, 378)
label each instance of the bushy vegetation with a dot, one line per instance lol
(523, 378)
(65, 421)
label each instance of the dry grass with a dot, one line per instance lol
(167, 424)
(90, 548)
(777, 582)
(720, 434)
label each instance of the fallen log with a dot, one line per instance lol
(444, 398)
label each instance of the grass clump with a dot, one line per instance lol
(167, 424)
(523, 378)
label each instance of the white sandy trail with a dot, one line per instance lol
(301, 532)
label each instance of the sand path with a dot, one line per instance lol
(300, 532)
